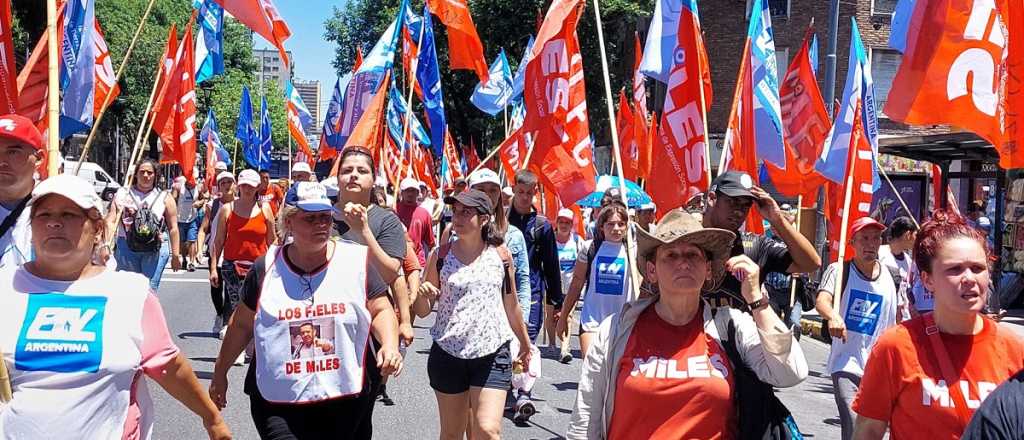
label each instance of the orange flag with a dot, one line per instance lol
(859, 175)
(160, 111)
(178, 135)
(262, 17)
(630, 151)
(370, 128)
(740, 147)
(641, 128)
(512, 152)
(465, 50)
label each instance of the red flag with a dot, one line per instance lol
(555, 89)
(512, 152)
(454, 164)
(630, 151)
(211, 167)
(32, 84)
(178, 135)
(859, 178)
(472, 159)
(740, 149)
(806, 124)
(957, 60)
(161, 112)
(8, 80)
(359, 59)
(262, 17)
(370, 128)
(641, 127)
(937, 189)
(639, 86)
(105, 75)
(679, 163)
(465, 51)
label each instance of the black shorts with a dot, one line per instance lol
(451, 375)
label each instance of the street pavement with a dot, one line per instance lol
(186, 302)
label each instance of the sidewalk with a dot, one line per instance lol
(810, 323)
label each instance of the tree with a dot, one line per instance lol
(501, 24)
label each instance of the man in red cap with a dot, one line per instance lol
(21, 152)
(869, 304)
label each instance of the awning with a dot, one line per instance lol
(939, 148)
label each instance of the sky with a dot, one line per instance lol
(311, 54)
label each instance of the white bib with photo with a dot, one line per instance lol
(311, 332)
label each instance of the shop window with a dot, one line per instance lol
(883, 7)
(782, 61)
(884, 64)
(779, 8)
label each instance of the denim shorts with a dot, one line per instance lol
(451, 375)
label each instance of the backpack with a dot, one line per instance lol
(896, 278)
(503, 252)
(760, 413)
(143, 234)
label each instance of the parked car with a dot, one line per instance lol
(104, 185)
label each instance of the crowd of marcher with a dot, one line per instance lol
(687, 323)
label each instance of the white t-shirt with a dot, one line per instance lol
(16, 244)
(429, 204)
(74, 351)
(868, 307)
(568, 252)
(608, 286)
(905, 266)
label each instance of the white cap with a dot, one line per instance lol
(566, 213)
(301, 167)
(507, 191)
(331, 186)
(483, 175)
(225, 175)
(650, 206)
(409, 183)
(220, 165)
(71, 187)
(249, 177)
(312, 197)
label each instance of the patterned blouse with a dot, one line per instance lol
(471, 321)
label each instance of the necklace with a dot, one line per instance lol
(306, 278)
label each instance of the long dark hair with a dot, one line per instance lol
(156, 171)
(606, 214)
(490, 233)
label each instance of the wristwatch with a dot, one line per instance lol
(759, 304)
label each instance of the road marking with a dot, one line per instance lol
(186, 280)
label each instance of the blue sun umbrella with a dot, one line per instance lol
(635, 196)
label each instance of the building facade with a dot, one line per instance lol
(310, 93)
(271, 68)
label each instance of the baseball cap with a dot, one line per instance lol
(380, 181)
(312, 197)
(301, 167)
(249, 177)
(483, 175)
(331, 185)
(71, 187)
(472, 198)
(220, 165)
(225, 175)
(507, 191)
(865, 222)
(733, 184)
(566, 213)
(460, 181)
(650, 206)
(21, 130)
(409, 183)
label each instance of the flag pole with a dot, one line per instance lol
(117, 77)
(616, 154)
(792, 281)
(53, 91)
(491, 156)
(289, 156)
(413, 65)
(847, 199)
(897, 193)
(144, 124)
(234, 157)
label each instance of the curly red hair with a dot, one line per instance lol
(942, 227)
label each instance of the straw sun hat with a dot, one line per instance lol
(678, 225)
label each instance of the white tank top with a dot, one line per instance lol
(129, 201)
(608, 286)
(311, 332)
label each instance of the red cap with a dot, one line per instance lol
(865, 222)
(20, 129)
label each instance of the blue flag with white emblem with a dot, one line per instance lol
(764, 79)
(429, 76)
(209, 51)
(491, 97)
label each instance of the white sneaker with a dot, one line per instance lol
(222, 331)
(218, 325)
(241, 360)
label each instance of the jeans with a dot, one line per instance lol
(845, 386)
(150, 264)
(535, 319)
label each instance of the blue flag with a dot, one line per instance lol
(78, 70)
(661, 39)
(333, 114)
(491, 97)
(901, 17)
(243, 130)
(519, 80)
(812, 52)
(396, 114)
(429, 76)
(764, 80)
(265, 141)
(209, 52)
(208, 135)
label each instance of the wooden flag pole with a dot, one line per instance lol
(289, 156)
(792, 281)
(117, 77)
(847, 198)
(234, 157)
(616, 151)
(491, 156)
(144, 123)
(53, 91)
(897, 193)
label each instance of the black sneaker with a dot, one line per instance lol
(191, 267)
(524, 410)
(384, 398)
(566, 358)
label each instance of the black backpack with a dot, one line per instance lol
(759, 412)
(143, 234)
(896, 278)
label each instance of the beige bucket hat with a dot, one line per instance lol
(678, 225)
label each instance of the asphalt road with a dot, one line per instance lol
(186, 302)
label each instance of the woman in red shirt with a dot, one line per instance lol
(657, 369)
(905, 385)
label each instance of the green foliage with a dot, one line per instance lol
(501, 24)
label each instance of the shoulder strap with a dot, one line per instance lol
(505, 254)
(442, 254)
(897, 278)
(12, 218)
(846, 278)
(946, 368)
(595, 246)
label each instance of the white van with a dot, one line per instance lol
(104, 185)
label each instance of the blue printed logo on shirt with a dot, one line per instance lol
(863, 311)
(566, 259)
(611, 273)
(61, 333)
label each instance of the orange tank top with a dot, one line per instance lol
(246, 238)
